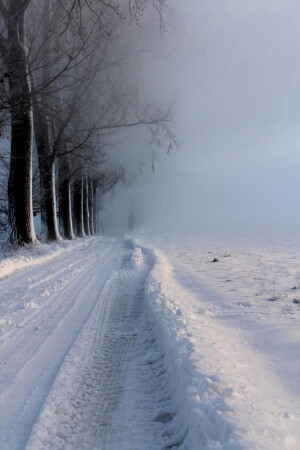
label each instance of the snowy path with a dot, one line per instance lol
(80, 363)
(120, 396)
(42, 312)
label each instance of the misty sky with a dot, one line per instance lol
(234, 67)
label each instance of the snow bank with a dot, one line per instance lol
(201, 398)
(34, 255)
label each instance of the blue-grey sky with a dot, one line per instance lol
(234, 67)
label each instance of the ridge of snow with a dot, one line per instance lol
(39, 253)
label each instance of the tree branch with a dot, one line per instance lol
(4, 11)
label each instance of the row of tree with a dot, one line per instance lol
(63, 97)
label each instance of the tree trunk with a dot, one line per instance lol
(65, 208)
(86, 219)
(78, 206)
(20, 172)
(95, 209)
(42, 138)
(47, 174)
(91, 207)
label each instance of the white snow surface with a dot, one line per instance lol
(42, 311)
(231, 331)
(146, 343)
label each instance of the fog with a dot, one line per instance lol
(234, 68)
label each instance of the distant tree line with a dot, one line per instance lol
(62, 99)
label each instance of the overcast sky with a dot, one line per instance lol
(234, 67)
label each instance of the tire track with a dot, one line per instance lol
(30, 361)
(49, 307)
(121, 394)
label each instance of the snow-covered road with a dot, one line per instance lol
(147, 344)
(43, 308)
(113, 391)
(80, 363)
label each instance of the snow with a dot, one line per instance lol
(146, 343)
(35, 341)
(235, 343)
(113, 390)
(29, 256)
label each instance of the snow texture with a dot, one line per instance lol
(147, 344)
(231, 333)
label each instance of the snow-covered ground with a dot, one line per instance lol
(231, 327)
(42, 310)
(146, 343)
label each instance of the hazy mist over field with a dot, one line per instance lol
(234, 69)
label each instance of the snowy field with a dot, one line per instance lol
(152, 343)
(228, 309)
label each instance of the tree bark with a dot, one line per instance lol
(86, 219)
(47, 174)
(78, 206)
(65, 208)
(42, 138)
(95, 209)
(91, 207)
(20, 172)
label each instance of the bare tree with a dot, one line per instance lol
(14, 54)
(49, 70)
